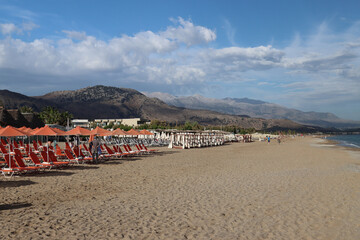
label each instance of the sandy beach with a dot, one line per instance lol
(300, 189)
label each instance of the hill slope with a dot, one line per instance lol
(255, 109)
(111, 102)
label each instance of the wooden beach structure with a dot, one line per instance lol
(196, 139)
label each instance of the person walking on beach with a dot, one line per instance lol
(95, 144)
(268, 139)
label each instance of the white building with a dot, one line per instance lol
(80, 122)
(134, 122)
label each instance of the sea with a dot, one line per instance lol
(352, 141)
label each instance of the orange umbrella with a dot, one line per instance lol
(78, 131)
(133, 132)
(146, 132)
(45, 131)
(10, 131)
(59, 131)
(118, 131)
(28, 131)
(100, 131)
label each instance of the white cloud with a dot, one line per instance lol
(75, 35)
(28, 26)
(230, 32)
(320, 67)
(19, 12)
(324, 67)
(9, 28)
(188, 33)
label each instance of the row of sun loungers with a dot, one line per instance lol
(19, 158)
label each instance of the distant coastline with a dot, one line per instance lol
(350, 141)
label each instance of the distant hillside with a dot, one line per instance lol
(255, 109)
(111, 102)
(12, 100)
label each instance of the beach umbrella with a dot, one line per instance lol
(146, 132)
(100, 132)
(29, 132)
(118, 131)
(133, 132)
(10, 131)
(59, 131)
(46, 131)
(78, 131)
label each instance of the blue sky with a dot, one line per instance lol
(299, 54)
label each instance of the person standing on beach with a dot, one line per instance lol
(94, 149)
(268, 138)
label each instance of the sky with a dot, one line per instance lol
(302, 54)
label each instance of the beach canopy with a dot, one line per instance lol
(10, 131)
(133, 132)
(45, 131)
(28, 131)
(118, 131)
(100, 132)
(146, 132)
(59, 131)
(78, 131)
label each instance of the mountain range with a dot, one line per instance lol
(112, 102)
(255, 109)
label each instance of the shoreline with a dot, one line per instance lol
(336, 144)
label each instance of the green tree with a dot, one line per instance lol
(51, 115)
(157, 124)
(64, 116)
(109, 126)
(26, 109)
(192, 126)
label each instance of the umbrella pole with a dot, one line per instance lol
(9, 154)
(78, 145)
(48, 146)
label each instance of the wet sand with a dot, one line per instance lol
(299, 189)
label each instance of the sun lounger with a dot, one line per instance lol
(3, 141)
(71, 158)
(129, 150)
(18, 152)
(140, 150)
(50, 157)
(59, 152)
(67, 146)
(4, 151)
(86, 150)
(149, 150)
(34, 158)
(79, 154)
(117, 149)
(20, 162)
(8, 171)
(16, 146)
(111, 152)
